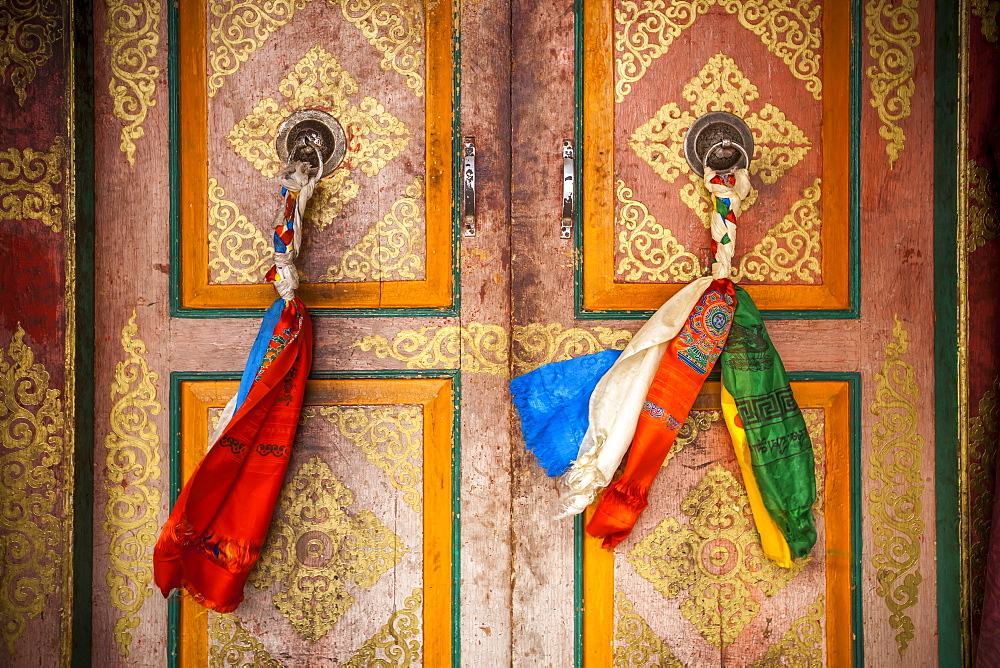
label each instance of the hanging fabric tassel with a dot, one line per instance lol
(218, 524)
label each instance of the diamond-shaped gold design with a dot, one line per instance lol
(716, 560)
(720, 86)
(316, 550)
(374, 136)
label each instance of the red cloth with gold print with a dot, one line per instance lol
(688, 360)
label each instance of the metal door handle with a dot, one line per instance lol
(566, 223)
(469, 188)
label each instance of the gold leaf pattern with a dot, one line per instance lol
(477, 348)
(984, 432)
(788, 250)
(892, 38)
(390, 439)
(696, 423)
(716, 558)
(396, 643)
(132, 462)
(816, 426)
(983, 197)
(650, 250)
(779, 144)
(133, 36)
(987, 10)
(895, 504)
(28, 29)
(802, 645)
(236, 247)
(396, 29)
(639, 645)
(391, 247)
(31, 452)
(232, 645)
(315, 549)
(26, 184)
(317, 80)
(790, 29)
(536, 344)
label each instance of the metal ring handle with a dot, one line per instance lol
(725, 143)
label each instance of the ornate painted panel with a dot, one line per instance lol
(357, 566)
(647, 70)
(691, 587)
(381, 225)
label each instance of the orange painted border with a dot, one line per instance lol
(435, 397)
(834, 398)
(435, 291)
(600, 291)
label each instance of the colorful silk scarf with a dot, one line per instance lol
(218, 524)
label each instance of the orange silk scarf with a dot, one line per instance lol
(688, 360)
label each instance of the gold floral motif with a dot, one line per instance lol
(390, 439)
(802, 645)
(537, 344)
(239, 28)
(717, 558)
(696, 423)
(816, 426)
(133, 462)
(396, 29)
(236, 247)
(788, 250)
(396, 643)
(984, 432)
(374, 136)
(477, 348)
(31, 452)
(987, 10)
(28, 29)
(391, 247)
(983, 197)
(133, 36)
(639, 646)
(895, 501)
(315, 549)
(650, 250)
(232, 645)
(779, 144)
(26, 184)
(892, 38)
(790, 29)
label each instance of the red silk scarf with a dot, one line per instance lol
(220, 520)
(688, 360)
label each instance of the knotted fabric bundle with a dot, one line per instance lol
(218, 524)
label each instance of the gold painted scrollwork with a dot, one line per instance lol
(696, 423)
(31, 453)
(536, 344)
(396, 29)
(639, 646)
(26, 184)
(476, 348)
(983, 197)
(232, 645)
(316, 549)
(987, 11)
(391, 247)
(28, 29)
(802, 645)
(895, 500)
(790, 29)
(236, 247)
(396, 643)
(892, 38)
(132, 464)
(389, 438)
(984, 433)
(815, 425)
(716, 559)
(133, 36)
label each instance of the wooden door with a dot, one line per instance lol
(838, 98)
(394, 514)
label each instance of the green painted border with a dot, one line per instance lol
(947, 141)
(178, 377)
(179, 311)
(81, 107)
(853, 379)
(854, 196)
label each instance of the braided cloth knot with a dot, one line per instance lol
(298, 180)
(728, 192)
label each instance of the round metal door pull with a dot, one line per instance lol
(307, 133)
(719, 140)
